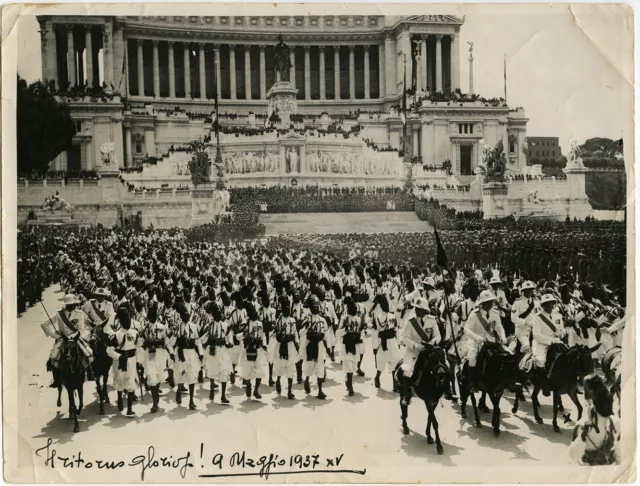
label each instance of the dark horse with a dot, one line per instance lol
(430, 382)
(72, 375)
(497, 371)
(101, 365)
(565, 368)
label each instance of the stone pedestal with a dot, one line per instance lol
(577, 204)
(282, 100)
(494, 200)
(207, 203)
(110, 186)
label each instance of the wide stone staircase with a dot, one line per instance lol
(332, 223)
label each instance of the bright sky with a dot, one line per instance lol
(572, 70)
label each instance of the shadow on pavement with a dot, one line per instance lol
(415, 445)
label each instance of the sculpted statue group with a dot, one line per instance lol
(251, 162)
(347, 163)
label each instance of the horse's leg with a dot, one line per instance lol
(556, 399)
(464, 394)
(516, 403)
(483, 403)
(475, 409)
(80, 398)
(404, 414)
(574, 398)
(432, 419)
(100, 396)
(59, 402)
(495, 422)
(71, 402)
(536, 404)
(560, 405)
(428, 431)
(105, 392)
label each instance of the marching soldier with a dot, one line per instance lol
(314, 348)
(286, 351)
(217, 363)
(123, 352)
(155, 353)
(349, 336)
(385, 327)
(253, 357)
(189, 356)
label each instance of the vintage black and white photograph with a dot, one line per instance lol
(311, 243)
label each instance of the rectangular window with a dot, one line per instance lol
(471, 128)
(512, 147)
(138, 146)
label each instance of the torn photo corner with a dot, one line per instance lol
(318, 243)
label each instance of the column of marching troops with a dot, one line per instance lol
(181, 314)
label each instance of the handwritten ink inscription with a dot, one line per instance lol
(235, 464)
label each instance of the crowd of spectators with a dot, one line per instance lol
(63, 175)
(314, 199)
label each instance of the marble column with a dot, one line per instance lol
(307, 72)
(140, 69)
(88, 45)
(52, 53)
(156, 70)
(216, 61)
(416, 142)
(232, 71)
(336, 71)
(322, 75)
(71, 57)
(367, 74)
(247, 72)
(382, 59)
(129, 155)
(391, 65)
(172, 72)
(203, 73)
(263, 73)
(292, 73)
(455, 62)
(352, 73)
(107, 55)
(424, 63)
(302, 162)
(187, 71)
(439, 63)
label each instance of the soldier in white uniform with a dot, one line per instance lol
(68, 323)
(286, 351)
(100, 311)
(155, 353)
(420, 328)
(483, 325)
(122, 350)
(253, 356)
(547, 330)
(386, 327)
(313, 347)
(188, 356)
(217, 363)
(521, 314)
(349, 338)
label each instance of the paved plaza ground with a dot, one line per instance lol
(364, 429)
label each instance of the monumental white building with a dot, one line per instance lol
(161, 75)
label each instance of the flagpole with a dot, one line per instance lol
(404, 112)
(217, 121)
(505, 78)
(439, 250)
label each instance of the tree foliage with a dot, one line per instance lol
(601, 147)
(44, 127)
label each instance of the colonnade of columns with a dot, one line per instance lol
(443, 72)
(249, 76)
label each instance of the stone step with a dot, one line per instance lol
(331, 223)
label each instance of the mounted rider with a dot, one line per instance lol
(68, 324)
(522, 313)
(547, 330)
(421, 329)
(483, 326)
(100, 310)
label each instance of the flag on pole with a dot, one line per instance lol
(441, 255)
(505, 77)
